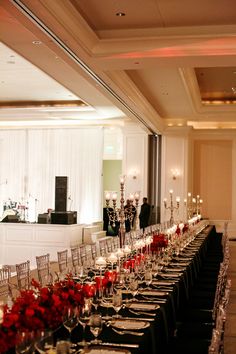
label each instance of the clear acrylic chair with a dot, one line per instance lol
(62, 257)
(43, 268)
(23, 275)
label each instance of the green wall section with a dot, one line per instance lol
(112, 170)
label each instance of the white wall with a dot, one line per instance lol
(175, 151)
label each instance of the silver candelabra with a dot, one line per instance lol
(123, 213)
(171, 207)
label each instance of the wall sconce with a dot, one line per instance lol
(175, 173)
(133, 174)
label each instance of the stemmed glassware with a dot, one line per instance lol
(96, 324)
(24, 342)
(133, 286)
(148, 278)
(117, 302)
(44, 341)
(84, 320)
(70, 320)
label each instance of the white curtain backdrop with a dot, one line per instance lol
(31, 158)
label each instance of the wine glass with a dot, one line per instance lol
(95, 324)
(117, 303)
(148, 278)
(63, 347)
(24, 342)
(133, 286)
(70, 320)
(44, 342)
(83, 320)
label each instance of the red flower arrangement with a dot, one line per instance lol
(38, 309)
(159, 241)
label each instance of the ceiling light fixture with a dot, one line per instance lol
(120, 14)
(37, 42)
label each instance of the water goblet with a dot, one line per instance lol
(63, 347)
(133, 286)
(117, 303)
(83, 320)
(24, 342)
(96, 324)
(70, 320)
(148, 278)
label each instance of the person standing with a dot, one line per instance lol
(144, 214)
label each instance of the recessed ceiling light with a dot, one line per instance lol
(37, 42)
(120, 14)
(170, 124)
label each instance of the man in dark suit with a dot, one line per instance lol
(144, 214)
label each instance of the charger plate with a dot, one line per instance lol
(129, 324)
(142, 306)
(105, 350)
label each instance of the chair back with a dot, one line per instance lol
(62, 257)
(75, 258)
(83, 254)
(43, 268)
(5, 287)
(109, 245)
(102, 247)
(23, 275)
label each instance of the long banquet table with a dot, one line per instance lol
(159, 306)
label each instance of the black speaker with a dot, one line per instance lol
(10, 218)
(43, 218)
(64, 218)
(61, 193)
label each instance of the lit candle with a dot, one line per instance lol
(185, 201)
(100, 261)
(112, 258)
(107, 196)
(189, 194)
(177, 199)
(119, 253)
(122, 179)
(114, 196)
(136, 196)
(127, 250)
(194, 200)
(171, 191)
(131, 197)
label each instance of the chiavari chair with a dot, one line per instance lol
(62, 257)
(43, 269)
(83, 254)
(109, 245)
(5, 286)
(116, 243)
(75, 257)
(102, 247)
(23, 275)
(93, 250)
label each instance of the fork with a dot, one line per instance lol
(138, 334)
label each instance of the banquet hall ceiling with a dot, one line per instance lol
(153, 61)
